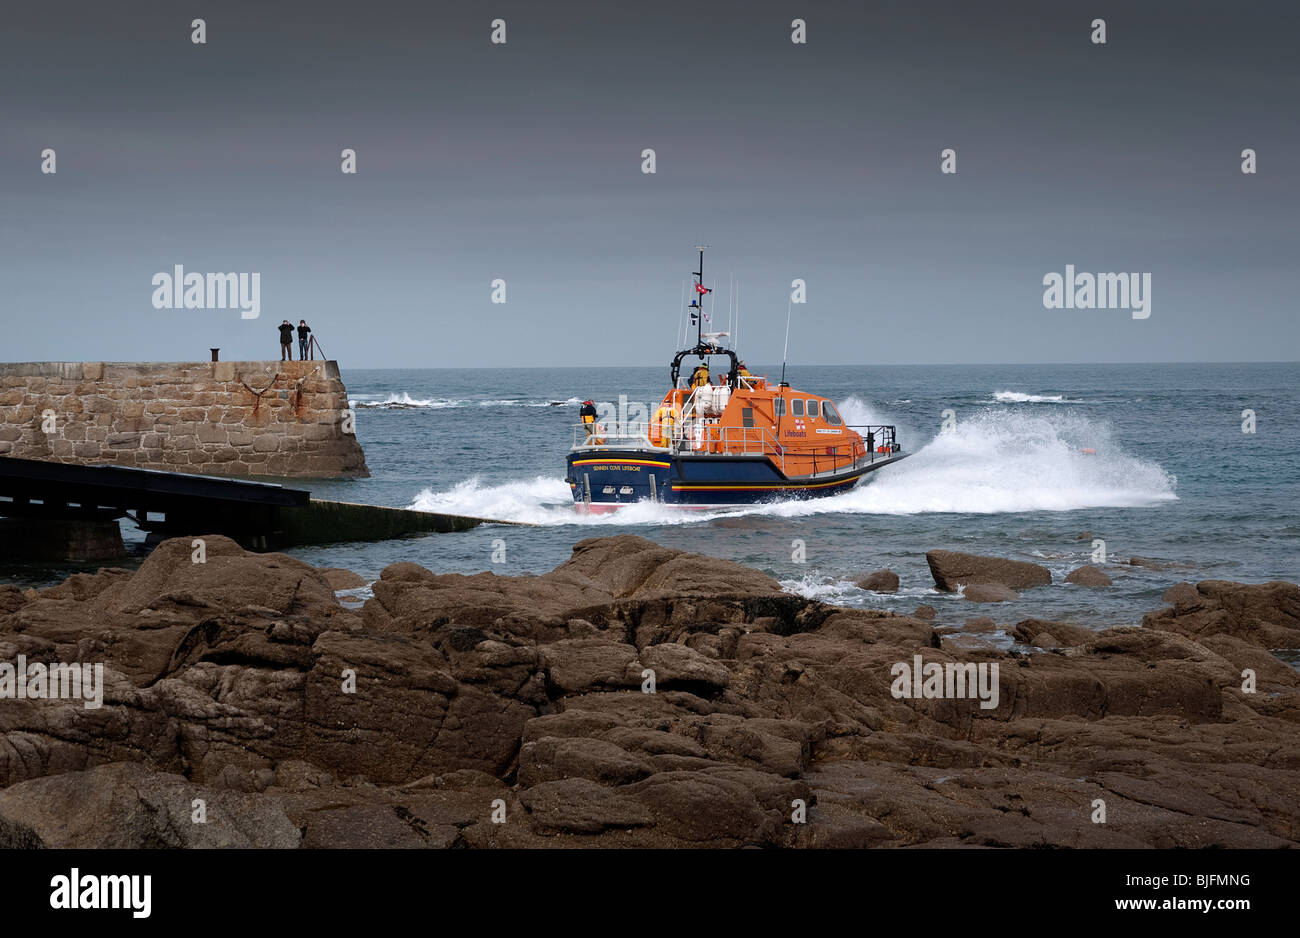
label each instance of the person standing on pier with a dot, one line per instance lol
(303, 331)
(286, 341)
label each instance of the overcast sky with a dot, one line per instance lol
(523, 162)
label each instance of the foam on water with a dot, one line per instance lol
(858, 413)
(999, 462)
(545, 501)
(827, 588)
(404, 401)
(1019, 397)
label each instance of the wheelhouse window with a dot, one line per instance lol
(778, 406)
(831, 415)
(814, 408)
(796, 407)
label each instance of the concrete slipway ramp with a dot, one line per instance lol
(57, 511)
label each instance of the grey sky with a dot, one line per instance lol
(523, 161)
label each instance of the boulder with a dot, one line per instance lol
(1063, 633)
(1087, 575)
(879, 581)
(581, 806)
(340, 579)
(628, 566)
(127, 806)
(11, 598)
(1263, 614)
(550, 759)
(678, 664)
(1184, 595)
(718, 808)
(989, 593)
(602, 570)
(173, 609)
(1153, 564)
(952, 569)
(577, 665)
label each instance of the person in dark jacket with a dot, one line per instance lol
(303, 331)
(588, 415)
(286, 341)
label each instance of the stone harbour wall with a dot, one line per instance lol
(252, 418)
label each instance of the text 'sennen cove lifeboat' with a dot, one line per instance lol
(738, 442)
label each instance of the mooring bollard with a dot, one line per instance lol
(214, 353)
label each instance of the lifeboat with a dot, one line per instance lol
(742, 441)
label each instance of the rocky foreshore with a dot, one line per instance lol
(634, 696)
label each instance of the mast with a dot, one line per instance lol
(678, 336)
(786, 354)
(699, 298)
(701, 348)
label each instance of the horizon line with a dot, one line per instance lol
(820, 365)
(163, 361)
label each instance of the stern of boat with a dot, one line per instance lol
(607, 472)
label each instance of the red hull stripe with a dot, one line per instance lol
(760, 488)
(621, 462)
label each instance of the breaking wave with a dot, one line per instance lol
(404, 401)
(1018, 397)
(401, 401)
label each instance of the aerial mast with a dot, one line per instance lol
(700, 292)
(786, 354)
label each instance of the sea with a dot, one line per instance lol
(1194, 467)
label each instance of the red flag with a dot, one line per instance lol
(700, 288)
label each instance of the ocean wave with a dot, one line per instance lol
(1019, 397)
(825, 589)
(404, 401)
(841, 592)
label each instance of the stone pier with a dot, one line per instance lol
(251, 418)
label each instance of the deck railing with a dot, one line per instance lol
(694, 438)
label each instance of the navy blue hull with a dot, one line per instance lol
(609, 478)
